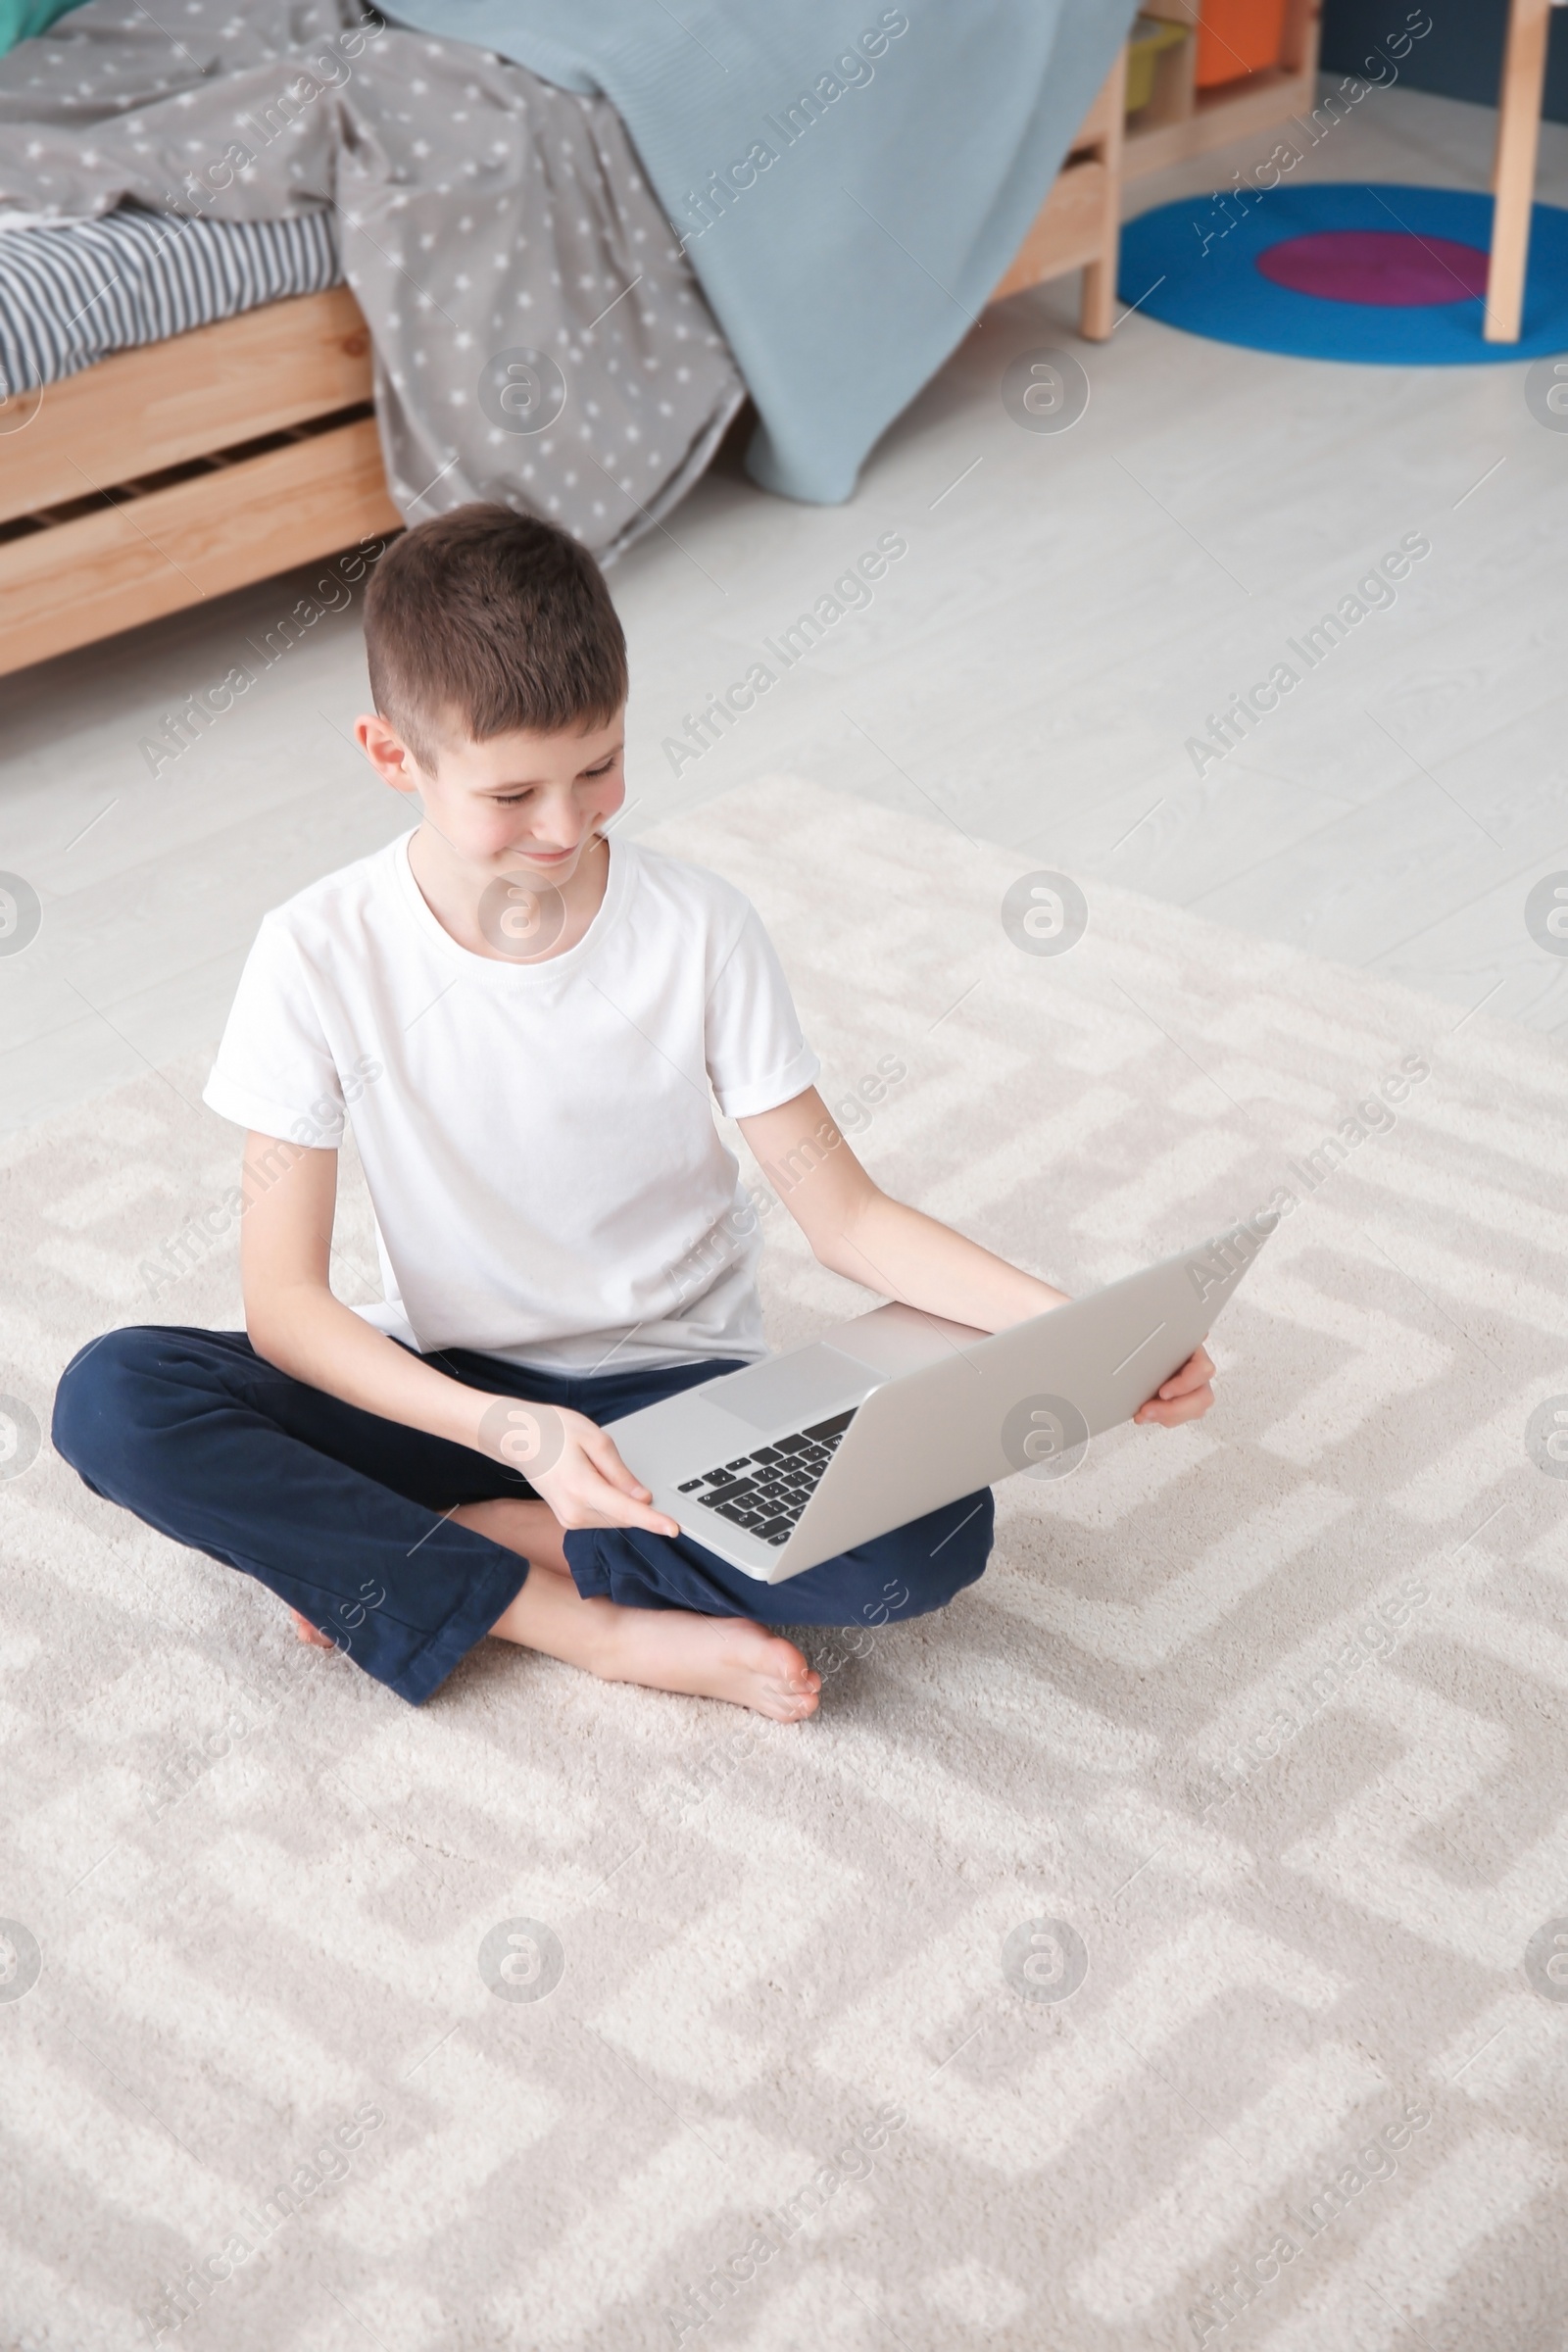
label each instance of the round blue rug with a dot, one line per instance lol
(1264, 270)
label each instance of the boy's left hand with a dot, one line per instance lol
(1186, 1395)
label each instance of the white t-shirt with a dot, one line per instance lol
(547, 1182)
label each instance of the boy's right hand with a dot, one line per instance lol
(569, 1462)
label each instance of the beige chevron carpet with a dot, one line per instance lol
(1166, 1946)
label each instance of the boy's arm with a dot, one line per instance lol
(294, 1321)
(856, 1230)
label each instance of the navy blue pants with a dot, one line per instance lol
(339, 1512)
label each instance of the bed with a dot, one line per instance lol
(180, 469)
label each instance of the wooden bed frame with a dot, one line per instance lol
(171, 474)
(167, 474)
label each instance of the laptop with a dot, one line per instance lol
(790, 1462)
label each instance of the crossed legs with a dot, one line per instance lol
(397, 1545)
(665, 1650)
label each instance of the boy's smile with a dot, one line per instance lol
(513, 807)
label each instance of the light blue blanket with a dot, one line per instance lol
(849, 182)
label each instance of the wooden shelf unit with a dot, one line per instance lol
(1079, 224)
(1182, 120)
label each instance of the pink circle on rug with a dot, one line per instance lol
(1385, 267)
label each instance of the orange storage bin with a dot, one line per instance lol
(1237, 37)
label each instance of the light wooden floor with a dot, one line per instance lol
(1069, 610)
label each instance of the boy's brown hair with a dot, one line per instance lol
(483, 622)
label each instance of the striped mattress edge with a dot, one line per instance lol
(74, 291)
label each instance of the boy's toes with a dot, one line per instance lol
(307, 1632)
(786, 1664)
(798, 1695)
(781, 1682)
(786, 1703)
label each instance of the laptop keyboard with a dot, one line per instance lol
(767, 1491)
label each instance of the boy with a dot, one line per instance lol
(526, 1018)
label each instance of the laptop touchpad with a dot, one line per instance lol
(794, 1386)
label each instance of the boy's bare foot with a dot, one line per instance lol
(711, 1657)
(665, 1650)
(308, 1632)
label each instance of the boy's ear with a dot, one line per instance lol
(387, 753)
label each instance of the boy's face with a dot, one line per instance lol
(523, 802)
